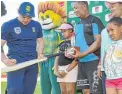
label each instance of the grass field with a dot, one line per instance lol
(3, 87)
(37, 90)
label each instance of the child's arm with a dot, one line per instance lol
(56, 67)
(104, 60)
(56, 63)
(72, 65)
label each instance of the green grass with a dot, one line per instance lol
(3, 87)
(37, 90)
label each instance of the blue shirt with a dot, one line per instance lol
(21, 39)
(85, 32)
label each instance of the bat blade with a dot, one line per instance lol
(27, 63)
(21, 65)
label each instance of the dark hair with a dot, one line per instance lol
(83, 2)
(86, 3)
(116, 20)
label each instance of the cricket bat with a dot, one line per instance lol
(21, 65)
(27, 63)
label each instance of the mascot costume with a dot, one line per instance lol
(51, 16)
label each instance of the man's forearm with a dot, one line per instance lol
(95, 46)
(91, 49)
(56, 63)
(40, 47)
(3, 57)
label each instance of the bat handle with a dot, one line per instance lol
(53, 55)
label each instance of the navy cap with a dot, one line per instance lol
(27, 9)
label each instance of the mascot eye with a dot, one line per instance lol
(47, 16)
(42, 17)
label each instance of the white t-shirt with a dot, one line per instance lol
(113, 60)
(105, 41)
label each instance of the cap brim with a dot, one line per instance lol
(63, 28)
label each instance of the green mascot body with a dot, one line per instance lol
(50, 16)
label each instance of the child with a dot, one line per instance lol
(66, 68)
(113, 57)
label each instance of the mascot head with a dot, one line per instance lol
(51, 15)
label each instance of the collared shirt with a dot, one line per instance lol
(21, 39)
(85, 31)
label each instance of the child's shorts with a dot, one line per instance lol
(114, 83)
(71, 75)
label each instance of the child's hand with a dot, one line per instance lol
(62, 74)
(57, 73)
(40, 56)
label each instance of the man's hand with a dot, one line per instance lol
(99, 73)
(40, 56)
(68, 55)
(9, 62)
(62, 74)
(78, 54)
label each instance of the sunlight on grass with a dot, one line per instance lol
(37, 90)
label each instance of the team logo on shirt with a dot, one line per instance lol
(17, 30)
(88, 25)
(33, 29)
